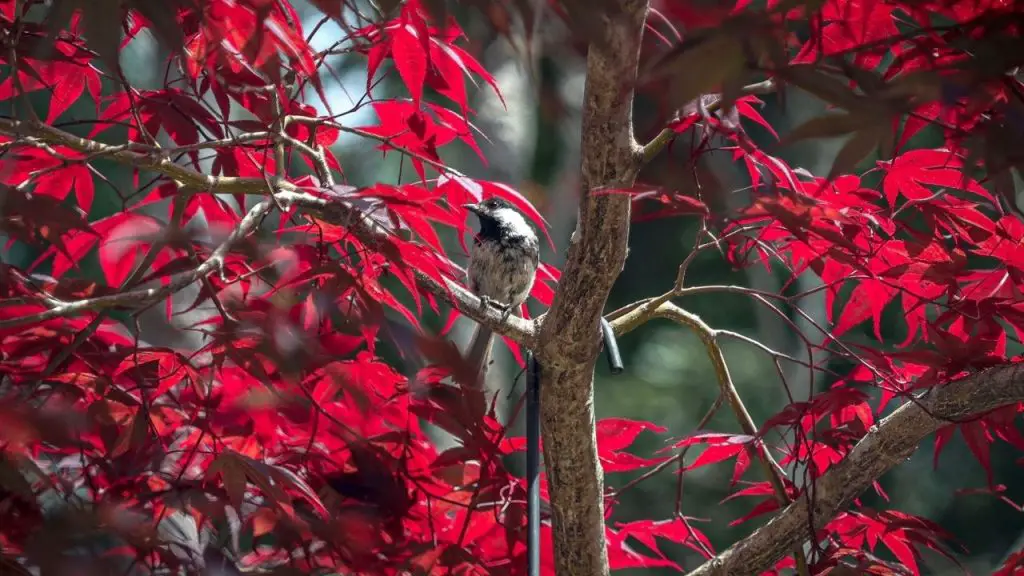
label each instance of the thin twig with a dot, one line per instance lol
(148, 296)
(678, 457)
(659, 142)
(709, 337)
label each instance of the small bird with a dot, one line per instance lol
(502, 267)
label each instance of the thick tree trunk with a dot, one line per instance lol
(569, 340)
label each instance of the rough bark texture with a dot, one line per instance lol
(569, 339)
(893, 441)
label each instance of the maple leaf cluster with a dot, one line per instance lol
(285, 439)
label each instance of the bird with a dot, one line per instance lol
(502, 267)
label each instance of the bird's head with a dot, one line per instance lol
(490, 208)
(498, 214)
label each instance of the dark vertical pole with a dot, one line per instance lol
(533, 466)
(533, 444)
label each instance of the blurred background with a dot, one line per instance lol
(532, 143)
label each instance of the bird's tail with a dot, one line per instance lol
(478, 354)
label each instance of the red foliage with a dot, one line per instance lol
(287, 429)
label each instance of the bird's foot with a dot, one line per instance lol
(506, 311)
(484, 303)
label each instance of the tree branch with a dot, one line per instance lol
(373, 235)
(569, 338)
(144, 297)
(331, 211)
(887, 444)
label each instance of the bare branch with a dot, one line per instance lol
(889, 443)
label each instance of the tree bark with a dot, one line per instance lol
(569, 338)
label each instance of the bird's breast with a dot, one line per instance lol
(501, 270)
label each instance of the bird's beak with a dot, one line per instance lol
(474, 208)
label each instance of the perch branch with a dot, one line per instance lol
(332, 211)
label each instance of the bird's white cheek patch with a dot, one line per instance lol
(515, 220)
